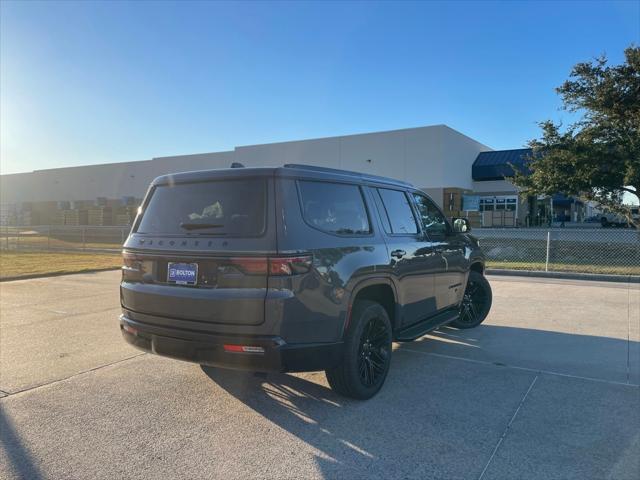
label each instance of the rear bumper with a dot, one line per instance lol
(208, 349)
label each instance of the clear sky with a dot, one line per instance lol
(96, 82)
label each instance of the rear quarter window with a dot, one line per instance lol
(398, 211)
(334, 207)
(225, 207)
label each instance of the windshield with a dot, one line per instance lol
(229, 207)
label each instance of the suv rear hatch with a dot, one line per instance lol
(199, 250)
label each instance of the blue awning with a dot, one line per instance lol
(496, 165)
(562, 200)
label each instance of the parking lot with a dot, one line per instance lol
(548, 388)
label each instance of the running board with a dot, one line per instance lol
(422, 328)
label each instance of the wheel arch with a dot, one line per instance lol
(378, 289)
(477, 266)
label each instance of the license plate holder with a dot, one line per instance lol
(181, 273)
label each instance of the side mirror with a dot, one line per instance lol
(461, 225)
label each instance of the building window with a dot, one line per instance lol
(487, 204)
(499, 202)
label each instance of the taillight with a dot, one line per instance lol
(131, 261)
(134, 267)
(276, 266)
(250, 265)
(283, 266)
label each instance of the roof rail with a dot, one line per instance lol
(364, 176)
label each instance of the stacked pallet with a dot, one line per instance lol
(71, 217)
(75, 217)
(99, 216)
(42, 212)
(124, 215)
(509, 218)
(26, 218)
(475, 219)
(499, 218)
(57, 218)
(122, 219)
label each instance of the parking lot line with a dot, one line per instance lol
(506, 430)
(28, 389)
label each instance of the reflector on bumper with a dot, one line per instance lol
(243, 349)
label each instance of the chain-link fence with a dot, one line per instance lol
(63, 237)
(597, 250)
(610, 251)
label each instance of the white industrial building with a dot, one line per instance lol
(431, 157)
(438, 159)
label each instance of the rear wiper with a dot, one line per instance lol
(197, 226)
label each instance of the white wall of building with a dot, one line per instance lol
(433, 157)
(113, 180)
(428, 157)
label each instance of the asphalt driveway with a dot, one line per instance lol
(546, 388)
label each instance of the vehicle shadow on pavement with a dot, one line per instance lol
(301, 407)
(421, 421)
(589, 356)
(14, 452)
(435, 417)
(348, 435)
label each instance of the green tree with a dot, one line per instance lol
(597, 157)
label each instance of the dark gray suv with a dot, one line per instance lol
(295, 268)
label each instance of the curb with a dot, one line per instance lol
(600, 277)
(56, 274)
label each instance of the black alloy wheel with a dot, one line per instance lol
(476, 302)
(373, 353)
(367, 353)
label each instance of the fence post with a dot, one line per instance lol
(638, 248)
(84, 240)
(546, 263)
(121, 235)
(48, 237)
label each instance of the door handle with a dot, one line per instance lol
(398, 253)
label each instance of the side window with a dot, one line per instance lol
(433, 221)
(334, 207)
(398, 210)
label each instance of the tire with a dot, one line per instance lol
(367, 353)
(476, 302)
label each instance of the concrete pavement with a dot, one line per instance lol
(58, 326)
(546, 388)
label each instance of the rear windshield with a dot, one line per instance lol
(229, 207)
